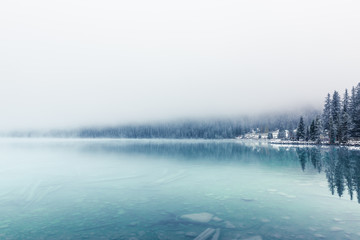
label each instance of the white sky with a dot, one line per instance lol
(70, 63)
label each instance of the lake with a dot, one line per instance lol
(176, 189)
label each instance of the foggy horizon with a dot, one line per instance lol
(67, 64)
(201, 119)
(174, 121)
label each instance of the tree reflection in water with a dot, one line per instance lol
(341, 165)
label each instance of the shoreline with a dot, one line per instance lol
(304, 143)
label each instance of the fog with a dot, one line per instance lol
(76, 63)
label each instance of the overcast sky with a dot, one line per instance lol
(69, 63)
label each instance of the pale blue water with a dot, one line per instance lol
(139, 189)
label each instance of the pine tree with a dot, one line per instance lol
(352, 106)
(336, 114)
(317, 130)
(300, 133)
(327, 113)
(346, 121)
(312, 131)
(346, 127)
(332, 135)
(307, 134)
(356, 113)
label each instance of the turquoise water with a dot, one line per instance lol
(140, 189)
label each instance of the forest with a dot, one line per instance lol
(338, 124)
(201, 129)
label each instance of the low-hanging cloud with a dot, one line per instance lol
(77, 63)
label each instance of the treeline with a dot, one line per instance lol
(186, 129)
(339, 123)
(220, 129)
(200, 129)
(269, 122)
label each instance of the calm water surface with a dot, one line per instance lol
(140, 189)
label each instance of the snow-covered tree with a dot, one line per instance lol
(352, 106)
(307, 134)
(317, 130)
(356, 113)
(300, 133)
(336, 115)
(345, 119)
(332, 134)
(327, 113)
(312, 131)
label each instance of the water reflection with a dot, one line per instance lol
(341, 165)
(139, 189)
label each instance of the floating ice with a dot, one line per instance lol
(205, 234)
(198, 217)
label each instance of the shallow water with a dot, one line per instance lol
(139, 189)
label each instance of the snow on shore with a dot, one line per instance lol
(352, 145)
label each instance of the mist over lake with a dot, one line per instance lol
(142, 189)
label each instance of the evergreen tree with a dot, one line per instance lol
(356, 114)
(317, 130)
(332, 135)
(300, 133)
(307, 134)
(352, 106)
(327, 113)
(312, 131)
(346, 121)
(270, 135)
(346, 127)
(336, 114)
